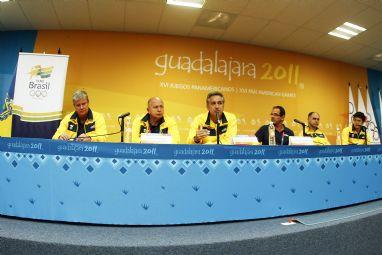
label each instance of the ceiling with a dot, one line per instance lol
(292, 25)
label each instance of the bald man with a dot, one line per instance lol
(312, 130)
(155, 121)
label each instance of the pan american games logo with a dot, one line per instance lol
(39, 82)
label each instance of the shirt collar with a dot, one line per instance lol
(146, 118)
(89, 116)
(223, 120)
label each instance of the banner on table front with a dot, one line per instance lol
(39, 93)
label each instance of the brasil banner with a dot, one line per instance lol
(39, 94)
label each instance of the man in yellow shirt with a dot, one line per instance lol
(83, 124)
(207, 127)
(313, 131)
(155, 121)
(356, 133)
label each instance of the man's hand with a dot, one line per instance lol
(83, 138)
(64, 137)
(200, 134)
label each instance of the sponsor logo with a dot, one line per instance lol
(39, 84)
(42, 72)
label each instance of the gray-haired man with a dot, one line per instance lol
(83, 124)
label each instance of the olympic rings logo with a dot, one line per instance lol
(373, 129)
(38, 93)
(351, 108)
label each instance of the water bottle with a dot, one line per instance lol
(338, 136)
(271, 131)
(127, 130)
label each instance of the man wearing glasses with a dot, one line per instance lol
(208, 128)
(281, 132)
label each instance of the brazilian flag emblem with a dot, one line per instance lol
(6, 110)
(43, 72)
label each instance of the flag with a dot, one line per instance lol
(7, 108)
(38, 94)
(6, 101)
(352, 109)
(361, 105)
(372, 123)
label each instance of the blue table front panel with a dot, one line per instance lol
(138, 184)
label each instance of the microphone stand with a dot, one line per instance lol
(365, 129)
(217, 129)
(303, 126)
(217, 133)
(303, 130)
(365, 138)
(122, 123)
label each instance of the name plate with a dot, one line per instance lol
(244, 140)
(153, 138)
(300, 140)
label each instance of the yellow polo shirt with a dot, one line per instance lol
(350, 136)
(227, 128)
(319, 138)
(166, 126)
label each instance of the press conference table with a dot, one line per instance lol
(137, 184)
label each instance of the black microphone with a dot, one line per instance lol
(122, 124)
(299, 122)
(123, 115)
(217, 128)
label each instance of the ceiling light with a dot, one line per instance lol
(218, 15)
(214, 19)
(361, 29)
(188, 3)
(378, 57)
(3, 1)
(347, 31)
(339, 35)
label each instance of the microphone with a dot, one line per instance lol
(299, 122)
(217, 128)
(282, 138)
(217, 117)
(123, 115)
(121, 120)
